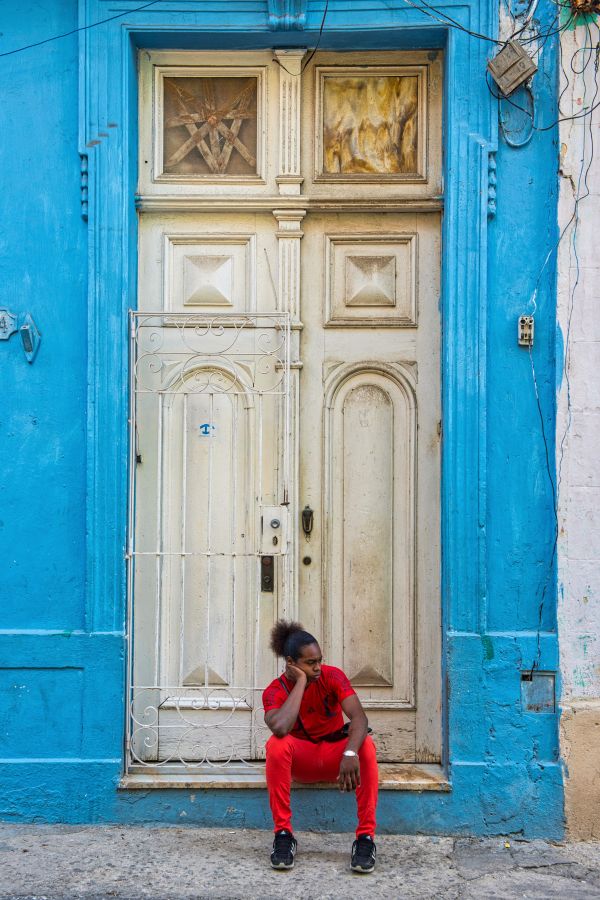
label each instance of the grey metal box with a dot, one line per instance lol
(511, 67)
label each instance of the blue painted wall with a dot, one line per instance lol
(43, 270)
(63, 430)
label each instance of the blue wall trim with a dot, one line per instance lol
(64, 459)
(287, 15)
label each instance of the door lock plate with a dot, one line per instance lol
(273, 530)
(267, 574)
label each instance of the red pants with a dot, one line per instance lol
(290, 758)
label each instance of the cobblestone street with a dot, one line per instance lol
(131, 863)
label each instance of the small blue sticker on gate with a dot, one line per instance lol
(206, 429)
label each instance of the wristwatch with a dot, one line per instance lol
(350, 753)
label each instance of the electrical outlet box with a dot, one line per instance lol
(526, 327)
(511, 67)
(538, 692)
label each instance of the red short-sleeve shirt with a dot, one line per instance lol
(320, 710)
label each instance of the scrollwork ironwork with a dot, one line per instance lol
(193, 727)
(225, 353)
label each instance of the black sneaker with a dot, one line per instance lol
(363, 854)
(284, 850)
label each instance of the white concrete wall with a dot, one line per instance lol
(578, 430)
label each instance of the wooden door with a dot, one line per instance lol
(370, 408)
(369, 443)
(212, 408)
(284, 203)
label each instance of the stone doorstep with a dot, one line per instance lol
(392, 777)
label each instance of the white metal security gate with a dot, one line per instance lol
(208, 534)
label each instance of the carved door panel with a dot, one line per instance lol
(370, 465)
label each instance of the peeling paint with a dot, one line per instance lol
(578, 427)
(488, 647)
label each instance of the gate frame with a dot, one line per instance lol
(239, 321)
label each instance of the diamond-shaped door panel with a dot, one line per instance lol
(371, 280)
(207, 280)
(214, 273)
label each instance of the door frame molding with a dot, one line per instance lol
(108, 151)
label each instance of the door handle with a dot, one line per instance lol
(307, 520)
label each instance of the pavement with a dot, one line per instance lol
(58, 862)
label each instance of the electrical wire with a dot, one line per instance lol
(58, 37)
(562, 118)
(313, 51)
(580, 195)
(310, 56)
(440, 16)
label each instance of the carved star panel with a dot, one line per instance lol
(210, 126)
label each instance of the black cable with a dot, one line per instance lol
(65, 34)
(536, 662)
(581, 115)
(501, 97)
(578, 200)
(310, 56)
(312, 53)
(550, 33)
(583, 176)
(447, 20)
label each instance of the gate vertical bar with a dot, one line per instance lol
(130, 535)
(234, 527)
(258, 547)
(159, 542)
(287, 561)
(183, 534)
(209, 536)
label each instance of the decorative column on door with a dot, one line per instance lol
(289, 234)
(288, 178)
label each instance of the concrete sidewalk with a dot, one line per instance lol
(54, 862)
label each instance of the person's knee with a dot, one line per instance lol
(367, 752)
(279, 747)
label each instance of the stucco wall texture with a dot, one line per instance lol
(578, 439)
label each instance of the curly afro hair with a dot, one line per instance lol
(288, 639)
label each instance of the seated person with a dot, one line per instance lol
(303, 709)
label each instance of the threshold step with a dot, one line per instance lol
(392, 777)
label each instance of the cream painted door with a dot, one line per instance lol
(370, 408)
(369, 438)
(212, 481)
(292, 358)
